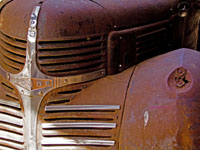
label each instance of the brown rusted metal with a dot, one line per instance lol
(128, 14)
(69, 43)
(12, 53)
(55, 109)
(162, 104)
(58, 91)
(147, 41)
(3, 3)
(77, 43)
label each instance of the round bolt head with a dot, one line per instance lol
(40, 93)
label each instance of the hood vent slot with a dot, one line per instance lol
(66, 124)
(152, 40)
(131, 46)
(11, 118)
(12, 53)
(72, 56)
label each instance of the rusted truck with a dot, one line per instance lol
(99, 75)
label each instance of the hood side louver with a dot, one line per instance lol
(66, 124)
(131, 46)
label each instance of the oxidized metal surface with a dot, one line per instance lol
(3, 3)
(50, 55)
(12, 53)
(32, 84)
(162, 105)
(127, 14)
(147, 41)
(79, 44)
(83, 116)
(15, 18)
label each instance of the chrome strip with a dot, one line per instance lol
(23, 80)
(10, 103)
(11, 136)
(32, 31)
(78, 125)
(59, 147)
(64, 141)
(11, 119)
(81, 107)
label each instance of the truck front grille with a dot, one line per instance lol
(68, 124)
(72, 56)
(11, 117)
(12, 53)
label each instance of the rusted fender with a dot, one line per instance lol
(162, 110)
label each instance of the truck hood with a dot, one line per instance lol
(131, 13)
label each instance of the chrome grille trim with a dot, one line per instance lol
(10, 103)
(11, 136)
(11, 128)
(81, 107)
(10, 119)
(62, 141)
(11, 111)
(78, 125)
(63, 148)
(11, 144)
